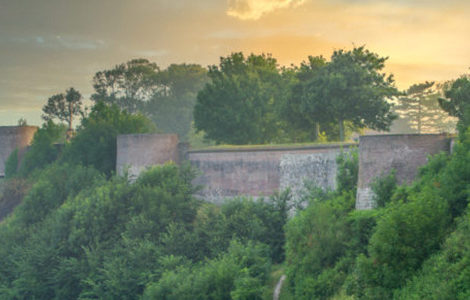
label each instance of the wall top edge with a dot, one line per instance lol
(18, 127)
(147, 134)
(405, 135)
(274, 148)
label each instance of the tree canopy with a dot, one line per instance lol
(420, 109)
(350, 87)
(127, 85)
(64, 107)
(166, 96)
(238, 105)
(457, 100)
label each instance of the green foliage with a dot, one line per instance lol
(239, 274)
(238, 106)
(95, 142)
(11, 164)
(457, 100)
(44, 148)
(405, 236)
(64, 107)
(316, 245)
(421, 110)
(172, 109)
(128, 85)
(166, 96)
(445, 275)
(384, 188)
(348, 168)
(339, 90)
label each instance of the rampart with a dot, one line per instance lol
(379, 154)
(14, 137)
(261, 171)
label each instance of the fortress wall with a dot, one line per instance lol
(379, 154)
(262, 171)
(14, 137)
(135, 152)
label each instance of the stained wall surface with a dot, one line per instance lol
(263, 171)
(379, 154)
(135, 152)
(14, 137)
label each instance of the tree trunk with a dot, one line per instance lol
(341, 130)
(316, 131)
(70, 129)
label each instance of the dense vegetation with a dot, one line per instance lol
(82, 232)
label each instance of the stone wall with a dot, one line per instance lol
(14, 137)
(262, 171)
(379, 154)
(135, 152)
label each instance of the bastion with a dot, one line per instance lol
(14, 137)
(379, 154)
(135, 152)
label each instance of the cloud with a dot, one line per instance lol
(255, 9)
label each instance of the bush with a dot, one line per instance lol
(383, 188)
(317, 241)
(43, 150)
(405, 236)
(11, 164)
(445, 275)
(348, 168)
(241, 273)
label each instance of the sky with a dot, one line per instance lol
(47, 46)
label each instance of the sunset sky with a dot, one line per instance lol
(47, 46)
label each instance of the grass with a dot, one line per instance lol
(267, 146)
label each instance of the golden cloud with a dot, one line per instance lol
(255, 9)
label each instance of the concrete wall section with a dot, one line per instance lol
(14, 137)
(379, 154)
(263, 171)
(135, 152)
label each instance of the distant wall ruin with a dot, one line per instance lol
(14, 137)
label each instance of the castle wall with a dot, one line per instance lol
(379, 154)
(14, 137)
(262, 171)
(135, 152)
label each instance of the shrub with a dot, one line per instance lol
(383, 188)
(348, 168)
(405, 236)
(43, 150)
(11, 164)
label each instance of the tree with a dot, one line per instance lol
(293, 110)
(352, 88)
(64, 107)
(172, 109)
(421, 109)
(457, 101)
(95, 142)
(167, 96)
(129, 85)
(237, 106)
